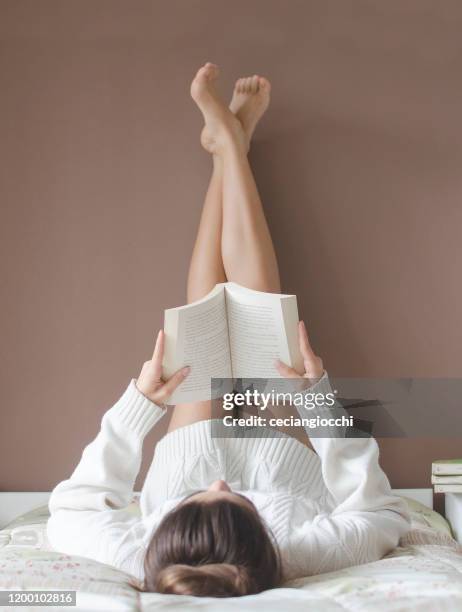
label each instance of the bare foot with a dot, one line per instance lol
(221, 126)
(250, 100)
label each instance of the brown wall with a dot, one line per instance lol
(102, 181)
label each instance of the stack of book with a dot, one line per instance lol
(447, 476)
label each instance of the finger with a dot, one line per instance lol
(305, 346)
(158, 355)
(285, 370)
(173, 382)
(313, 364)
(314, 369)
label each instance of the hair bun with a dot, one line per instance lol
(208, 580)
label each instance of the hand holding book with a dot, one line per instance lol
(313, 365)
(150, 382)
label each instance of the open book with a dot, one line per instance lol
(233, 332)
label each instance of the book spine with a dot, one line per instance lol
(446, 469)
(454, 479)
(448, 488)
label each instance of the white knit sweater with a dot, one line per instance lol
(327, 510)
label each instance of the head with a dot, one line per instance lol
(214, 544)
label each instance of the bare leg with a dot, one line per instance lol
(232, 214)
(249, 102)
(205, 271)
(206, 267)
(247, 249)
(248, 253)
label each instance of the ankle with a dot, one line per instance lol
(232, 142)
(233, 149)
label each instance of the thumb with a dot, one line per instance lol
(285, 370)
(172, 383)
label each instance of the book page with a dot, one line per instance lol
(261, 332)
(197, 335)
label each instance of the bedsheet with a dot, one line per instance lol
(423, 574)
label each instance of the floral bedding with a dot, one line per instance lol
(423, 574)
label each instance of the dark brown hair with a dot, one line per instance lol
(214, 549)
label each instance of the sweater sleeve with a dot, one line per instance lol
(88, 511)
(367, 519)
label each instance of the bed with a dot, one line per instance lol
(423, 574)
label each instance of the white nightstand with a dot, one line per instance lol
(453, 511)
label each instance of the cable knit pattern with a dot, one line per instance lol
(327, 510)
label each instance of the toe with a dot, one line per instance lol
(264, 83)
(254, 84)
(202, 72)
(210, 71)
(248, 85)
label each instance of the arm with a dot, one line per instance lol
(88, 515)
(367, 520)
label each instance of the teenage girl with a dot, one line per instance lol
(225, 516)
